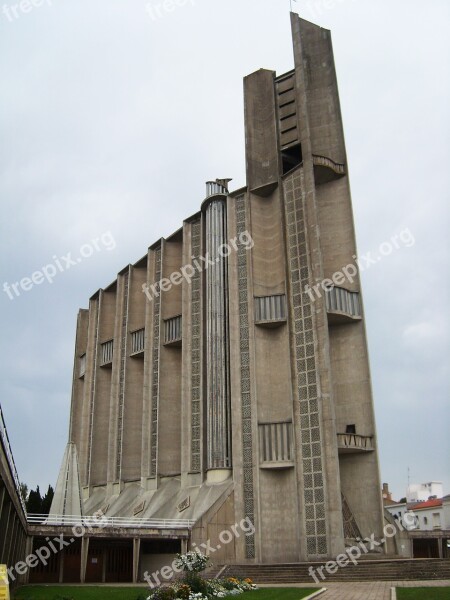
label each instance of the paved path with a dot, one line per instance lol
(370, 590)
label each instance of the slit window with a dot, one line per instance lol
(172, 330)
(82, 370)
(138, 341)
(107, 349)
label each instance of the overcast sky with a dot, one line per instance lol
(114, 113)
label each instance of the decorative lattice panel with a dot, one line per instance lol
(351, 529)
(247, 442)
(307, 406)
(123, 358)
(195, 354)
(95, 314)
(155, 369)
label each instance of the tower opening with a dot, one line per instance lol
(291, 157)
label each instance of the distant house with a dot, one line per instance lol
(387, 496)
(421, 492)
(427, 524)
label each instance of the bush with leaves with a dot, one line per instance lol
(183, 591)
(193, 562)
(164, 593)
(196, 583)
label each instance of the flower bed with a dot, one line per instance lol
(194, 587)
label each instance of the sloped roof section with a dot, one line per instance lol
(67, 498)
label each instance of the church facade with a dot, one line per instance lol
(224, 378)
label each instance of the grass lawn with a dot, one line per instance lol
(426, 593)
(48, 592)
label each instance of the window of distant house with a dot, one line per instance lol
(436, 519)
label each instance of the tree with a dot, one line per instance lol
(24, 491)
(47, 501)
(34, 502)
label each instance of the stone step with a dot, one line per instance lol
(382, 570)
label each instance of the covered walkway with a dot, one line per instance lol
(13, 524)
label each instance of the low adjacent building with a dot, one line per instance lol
(427, 524)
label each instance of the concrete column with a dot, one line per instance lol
(13, 540)
(2, 495)
(5, 517)
(12, 536)
(21, 545)
(14, 550)
(440, 549)
(136, 556)
(217, 339)
(84, 558)
(22, 556)
(104, 561)
(61, 566)
(28, 550)
(184, 546)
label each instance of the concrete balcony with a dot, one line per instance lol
(351, 443)
(270, 311)
(343, 306)
(326, 169)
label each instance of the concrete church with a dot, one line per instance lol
(223, 376)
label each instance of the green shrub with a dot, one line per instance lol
(164, 593)
(197, 584)
(227, 584)
(183, 591)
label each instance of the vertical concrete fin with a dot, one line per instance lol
(67, 498)
(313, 55)
(261, 132)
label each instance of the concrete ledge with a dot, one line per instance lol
(393, 594)
(315, 594)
